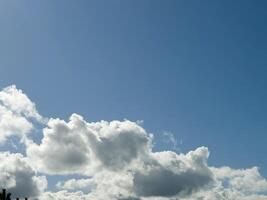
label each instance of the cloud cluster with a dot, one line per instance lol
(120, 149)
(81, 147)
(116, 158)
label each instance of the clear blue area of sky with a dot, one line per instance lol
(195, 68)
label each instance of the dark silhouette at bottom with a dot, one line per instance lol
(7, 196)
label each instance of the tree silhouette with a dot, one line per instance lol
(7, 196)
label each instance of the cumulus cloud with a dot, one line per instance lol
(18, 177)
(234, 184)
(79, 147)
(116, 158)
(171, 174)
(168, 176)
(222, 193)
(64, 148)
(112, 149)
(16, 112)
(116, 144)
(18, 102)
(63, 195)
(119, 158)
(115, 153)
(85, 185)
(246, 180)
(12, 124)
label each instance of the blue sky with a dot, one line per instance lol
(196, 69)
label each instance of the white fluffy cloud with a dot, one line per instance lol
(18, 102)
(64, 148)
(117, 157)
(246, 180)
(16, 112)
(115, 150)
(64, 195)
(81, 147)
(161, 174)
(85, 185)
(12, 124)
(18, 177)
